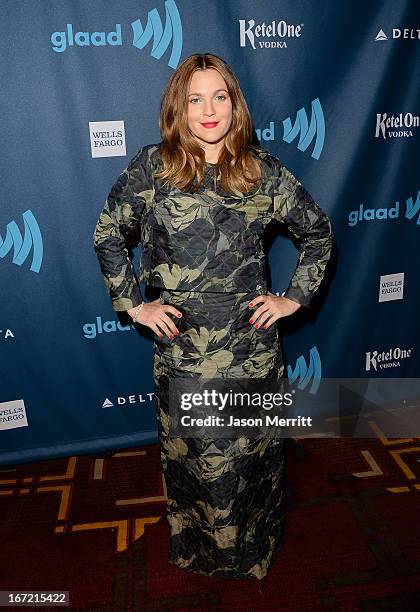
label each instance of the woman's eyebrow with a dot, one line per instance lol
(199, 94)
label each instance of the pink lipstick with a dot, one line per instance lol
(211, 124)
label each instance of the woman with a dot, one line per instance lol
(199, 203)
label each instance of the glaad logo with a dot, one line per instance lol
(408, 120)
(398, 33)
(391, 287)
(386, 359)
(276, 29)
(305, 373)
(412, 209)
(162, 38)
(307, 132)
(91, 330)
(32, 240)
(266, 133)
(61, 40)
(130, 399)
(316, 129)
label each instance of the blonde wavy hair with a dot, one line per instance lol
(183, 158)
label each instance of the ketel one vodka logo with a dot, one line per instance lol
(26, 247)
(272, 35)
(411, 212)
(162, 36)
(396, 126)
(391, 358)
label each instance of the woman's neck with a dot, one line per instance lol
(211, 155)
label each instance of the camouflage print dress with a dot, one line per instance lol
(226, 497)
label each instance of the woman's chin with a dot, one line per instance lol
(210, 136)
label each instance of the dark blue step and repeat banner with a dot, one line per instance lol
(333, 89)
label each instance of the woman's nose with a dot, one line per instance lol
(208, 108)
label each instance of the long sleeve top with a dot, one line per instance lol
(209, 240)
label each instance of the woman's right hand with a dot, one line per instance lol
(153, 315)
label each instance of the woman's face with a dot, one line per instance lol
(209, 107)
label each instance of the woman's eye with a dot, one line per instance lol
(221, 96)
(194, 99)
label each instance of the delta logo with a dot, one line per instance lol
(405, 33)
(163, 36)
(6, 334)
(127, 400)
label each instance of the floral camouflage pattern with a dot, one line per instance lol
(209, 240)
(226, 497)
(204, 250)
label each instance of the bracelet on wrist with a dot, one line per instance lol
(137, 312)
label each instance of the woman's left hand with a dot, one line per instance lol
(272, 308)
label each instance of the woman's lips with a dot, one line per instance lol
(210, 124)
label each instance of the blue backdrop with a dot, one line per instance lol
(333, 89)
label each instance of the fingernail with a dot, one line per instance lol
(171, 336)
(179, 315)
(257, 326)
(251, 320)
(177, 332)
(251, 305)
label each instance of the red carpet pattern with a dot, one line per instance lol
(93, 526)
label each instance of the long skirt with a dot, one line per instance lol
(226, 497)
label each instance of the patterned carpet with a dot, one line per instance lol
(94, 526)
